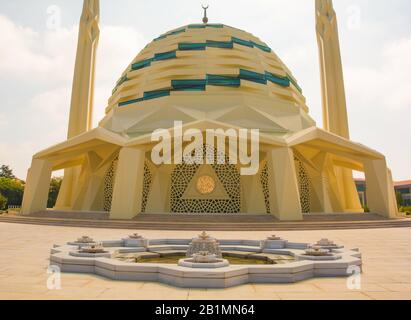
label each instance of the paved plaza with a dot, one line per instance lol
(24, 254)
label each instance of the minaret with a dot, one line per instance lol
(82, 96)
(335, 118)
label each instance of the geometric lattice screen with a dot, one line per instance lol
(148, 179)
(266, 191)
(226, 173)
(304, 186)
(109, 185)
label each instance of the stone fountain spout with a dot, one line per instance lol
(204, 243)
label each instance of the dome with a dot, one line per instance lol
(207, 72)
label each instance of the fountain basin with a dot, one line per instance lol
(203, 260)
(298, 267)
(95, 250)
(233, 257)
(328, 244)
(320, 258)
(273, 244)
(135, 243)
(190, 263)
(82, 244)
(135, 240)
(84, 241)
(318, 253)
(90, 255)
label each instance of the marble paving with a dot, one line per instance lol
(24, 254)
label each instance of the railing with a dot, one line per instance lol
(13, 207)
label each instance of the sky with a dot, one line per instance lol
(38, 42)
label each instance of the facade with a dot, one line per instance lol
(401, 187)
(361, 189)
(404, 188)
(210, 76)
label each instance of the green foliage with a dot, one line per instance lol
(3, 202)
(12, 189)
(406, 210)
(55, 185)
(398, 195)
(6, 172)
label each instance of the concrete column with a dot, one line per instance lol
(254, 202)
(128, 186)
(392, 193)
(93, 187)
(320, 183)
(380, 197)
(336, 194)
(159, 197)
(351, 199)
(321, 187)
(283, 185)
(80, 189)
(88, 183)
(65, 197)
(37, 187)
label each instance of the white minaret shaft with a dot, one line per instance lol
(332, 80)
(81, 109)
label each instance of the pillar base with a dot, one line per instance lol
(128, 186)
(284, 192)
(37, 187)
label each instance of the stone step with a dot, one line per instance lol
(216, 226)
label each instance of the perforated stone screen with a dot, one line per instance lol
(264, 183)
(226, 173)
(148, 178)
(109, 185)
(304, 185)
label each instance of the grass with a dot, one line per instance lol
(406, 210)
(12, 211)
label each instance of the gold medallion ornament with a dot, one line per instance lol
(205, 185)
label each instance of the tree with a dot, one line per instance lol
(6, 172)
(3, 202)
(55, 185)
(399, 199)
(12, 190)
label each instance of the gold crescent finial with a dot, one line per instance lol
(205, 19)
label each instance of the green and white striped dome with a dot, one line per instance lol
(212, 72)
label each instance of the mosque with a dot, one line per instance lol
(209, 76)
